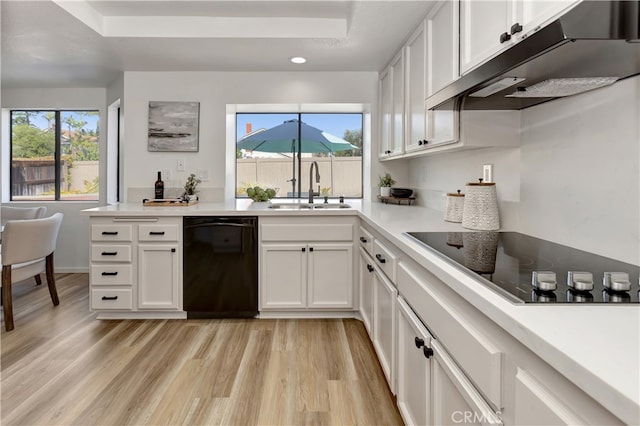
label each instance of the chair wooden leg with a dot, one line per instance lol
(51, 280)
(6, 294)
(38, 279)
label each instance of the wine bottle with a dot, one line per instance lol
(159, 185)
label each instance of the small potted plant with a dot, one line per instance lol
(190, 188)
(385, 184)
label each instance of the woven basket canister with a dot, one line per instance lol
(454, 206)
(481, 207)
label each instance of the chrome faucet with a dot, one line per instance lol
(311, 193)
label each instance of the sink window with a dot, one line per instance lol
(276, 150)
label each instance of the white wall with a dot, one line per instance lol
(73, 241)
(214, 91)
(574, 180)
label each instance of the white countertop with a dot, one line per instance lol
(597, 347)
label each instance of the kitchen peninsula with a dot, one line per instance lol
(531, 343)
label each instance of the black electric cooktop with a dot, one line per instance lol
(526, 269)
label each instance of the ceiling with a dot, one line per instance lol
(88, 43)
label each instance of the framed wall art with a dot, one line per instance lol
(173, 126)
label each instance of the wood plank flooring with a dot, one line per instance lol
(62, 366)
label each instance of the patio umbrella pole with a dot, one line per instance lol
(299, 155)
(293, 165)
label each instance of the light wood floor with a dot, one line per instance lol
(62, 366)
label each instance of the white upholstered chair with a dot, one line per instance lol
(27, 250)
(8, 213)
(21, 213)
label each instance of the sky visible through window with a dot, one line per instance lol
(336, 124)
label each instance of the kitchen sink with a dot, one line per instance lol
(307, 206)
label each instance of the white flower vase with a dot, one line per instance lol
(385, 191)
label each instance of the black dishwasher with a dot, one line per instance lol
(220, 267)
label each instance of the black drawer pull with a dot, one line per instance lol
(380, 258)
(419, 342)
(109, 232)
(156, 232)
(110, 274)
(109, 297)
(428, 352)
(109, 253)
(310, 248)
(370, 268)
(505, 37)
(304, 249)
(363, 239)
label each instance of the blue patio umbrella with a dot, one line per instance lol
(294, 136)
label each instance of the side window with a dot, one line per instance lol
(277, 150)
(54, 155)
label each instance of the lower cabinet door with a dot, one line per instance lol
(384, 325)
(414, 367)
(330, 275)
(158, 280)
(283, 274)
(454, 398)
(366, 291)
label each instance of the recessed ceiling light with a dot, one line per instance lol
(298, 60)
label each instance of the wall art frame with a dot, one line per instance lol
(173, 126)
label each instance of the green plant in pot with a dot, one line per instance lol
(385, 183)
(190, 188)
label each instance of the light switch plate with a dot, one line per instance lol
(487, 173)
(180, 165)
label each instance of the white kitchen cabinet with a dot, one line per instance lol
(489, 27)
(414, 368)
(432, 389)
(535, 404)
(384, 325)
(392, 108)
(366, 290)
(442, 45)
(136, 264)
(158, 276)
(416, 60)
(307, 263)
(284, 275)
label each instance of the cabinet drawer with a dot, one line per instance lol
(110, 253)
(385, 259)
(366, 240)
(476, 354)
(116, 274)
(158, 233)
(108, 299)
(114, 232)
(307, 232)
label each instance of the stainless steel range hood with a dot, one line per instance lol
(593, 45)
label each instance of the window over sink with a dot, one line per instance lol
(277, 149)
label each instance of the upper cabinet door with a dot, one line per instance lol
(442, 45)
(532, 15)
(396, 145)
(415, 134)
(385, 113)
(484, 30)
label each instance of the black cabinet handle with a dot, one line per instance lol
(304, 249)
(419, 342)
(363, 239)
(516, 28)
(423, 142)
(109, 297)
(109, 232)
(419, 142)
(173, 250)
(505, 37)
(428, 352)
(387, 152)
(109, 253)
(110, 274)
(370, 268)
(310, 248)
(156, 232)
(380, 258)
